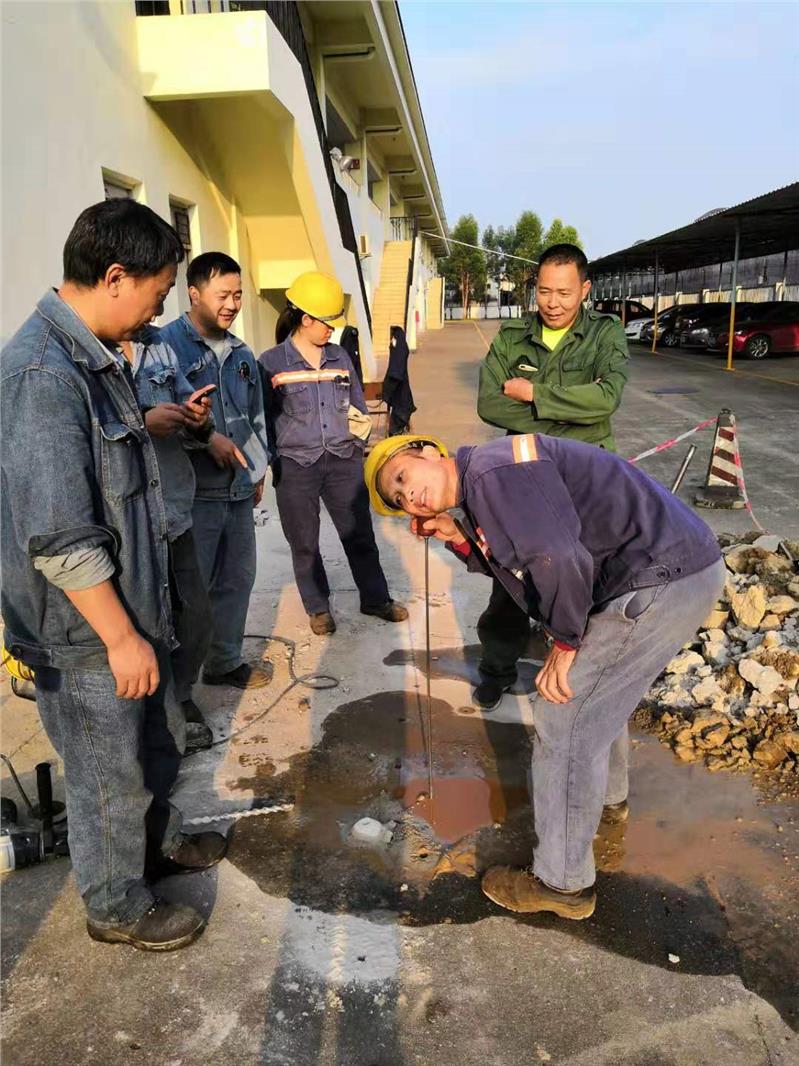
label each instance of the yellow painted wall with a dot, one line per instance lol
(74, 76)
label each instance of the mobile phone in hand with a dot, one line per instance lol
(206, 390)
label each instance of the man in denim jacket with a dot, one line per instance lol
(86, 597)
(230, 471)
(177, 426)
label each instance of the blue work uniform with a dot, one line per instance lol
(318, 458)
(614, 566)
(223, 527)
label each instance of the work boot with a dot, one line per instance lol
(164, 927)
(323, 624)
(194, 851)
(244, 676)
(488, 693)
(198, 736)
(615, 813)
(389, 612)
(523, 892)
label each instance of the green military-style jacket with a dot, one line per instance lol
(577, 387)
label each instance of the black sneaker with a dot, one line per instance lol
(488, 693)
(196, 851)
(389, 612)
(165, 927)
(198, 736)
(323, 624)
(244, 676)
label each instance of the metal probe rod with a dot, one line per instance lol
(683, 467)
(427, 671)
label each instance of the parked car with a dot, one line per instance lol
(667, 330)
(775, 330)
(698, 328)
(635, 309)
(633, 330)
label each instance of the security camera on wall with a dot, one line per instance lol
(345, 162)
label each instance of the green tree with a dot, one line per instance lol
(527, 243)
(465, 267)
(560, 234)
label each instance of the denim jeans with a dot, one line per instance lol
(503, 630)
(625, 647)
(339, 484)
(192, 616)
(224, 539)
(121, 758)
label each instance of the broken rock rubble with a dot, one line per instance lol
(729, 698)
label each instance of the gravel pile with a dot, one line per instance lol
(729, 698)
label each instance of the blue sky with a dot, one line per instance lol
(624, 119)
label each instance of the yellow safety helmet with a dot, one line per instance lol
(18, 670)
(380, 455)
(319, 296)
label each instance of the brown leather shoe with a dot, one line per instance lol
(389, 612)
(244, 676)
(323, 624)
(523, 892)
(195, 851)
(164, 927)
(615, 813)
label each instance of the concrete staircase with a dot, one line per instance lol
(388, 307)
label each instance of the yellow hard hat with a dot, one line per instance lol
(380, 455)
(319, 296)
(17, 669)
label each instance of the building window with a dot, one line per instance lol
(181, 222)
(152, 7)
(114, 191)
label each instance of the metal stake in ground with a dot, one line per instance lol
(427, 671)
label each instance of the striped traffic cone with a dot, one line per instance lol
(722, 486)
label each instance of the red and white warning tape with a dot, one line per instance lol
(738, 474)
(674, 440)
(742, 487)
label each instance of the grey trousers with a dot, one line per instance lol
(625, 647)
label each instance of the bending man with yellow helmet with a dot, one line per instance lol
(620, 588)
(319, 425)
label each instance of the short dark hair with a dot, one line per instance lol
(565, 253)
(119, 231)
(206, 266)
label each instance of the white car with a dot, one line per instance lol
(632, 331)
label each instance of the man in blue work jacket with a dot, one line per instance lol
(619, 572)
(230, 471)
(86, 589)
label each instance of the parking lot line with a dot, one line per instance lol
(486, 342)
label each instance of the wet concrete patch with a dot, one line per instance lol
(702, 871)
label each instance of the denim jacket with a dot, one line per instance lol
(159, 379)
(78, 471)
(308, 408)
(237, 406)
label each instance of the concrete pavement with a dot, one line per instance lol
(322, 952)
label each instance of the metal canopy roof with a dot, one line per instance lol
(769, 224)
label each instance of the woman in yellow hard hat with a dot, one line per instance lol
(319, 425)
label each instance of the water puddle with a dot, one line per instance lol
(702, 870)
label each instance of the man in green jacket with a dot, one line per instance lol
(559, 372)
